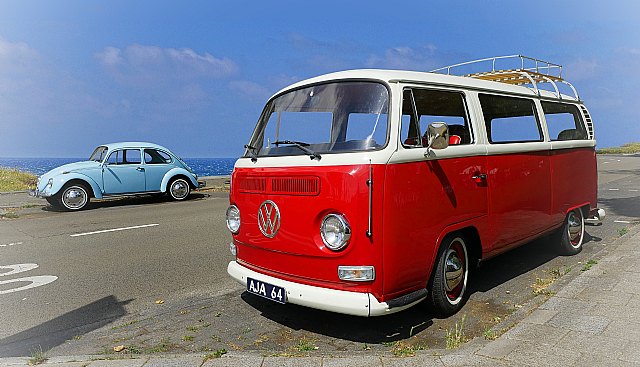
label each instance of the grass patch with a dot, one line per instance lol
(589, 264)
(455, 337)
(623, 231)
(629, 148)
(404, 349)
(217, 354)
(14, 180)
(37, 357)
(489, 334)
(163, 346)
(305, 345)
(9, 215)
(188, 338)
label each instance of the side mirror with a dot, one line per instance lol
(437, 136)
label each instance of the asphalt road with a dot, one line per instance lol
(107, 283)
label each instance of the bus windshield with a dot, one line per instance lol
(324, 118)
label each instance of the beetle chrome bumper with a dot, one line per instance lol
(345, 302)
(38, 194)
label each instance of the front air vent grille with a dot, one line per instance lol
(295, 185)
(305, 185)
(252, 184)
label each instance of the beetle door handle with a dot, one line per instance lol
(140, 169)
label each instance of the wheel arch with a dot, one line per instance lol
(94, 188)
(175, 173)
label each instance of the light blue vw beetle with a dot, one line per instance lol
(115, 170)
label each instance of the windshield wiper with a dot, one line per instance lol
(300, 145)
(252, 152)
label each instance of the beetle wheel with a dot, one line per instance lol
(179, 189)
(449, 281)
(73, 197)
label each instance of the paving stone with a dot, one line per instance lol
(594, 345)
(563, 304)
(360, 361)
(292, 362)
(418, 361)
(14, 361)
(572, 321)
(235, 361)
(609, 311)
(178, 361)
(118, 363)
(542, 355)
(535, 333)
(456, 360)
(499, 348)
(627, 287)
(624, 329)
(631, 355)
(540, 316)
(597, 361)
(609, 297)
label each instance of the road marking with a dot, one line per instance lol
(633, 190)
(114, 230)
(36, 281)
(10, 244)
(622, 221)
(17, 268)
(614, 189)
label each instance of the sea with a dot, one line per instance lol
(38, 166)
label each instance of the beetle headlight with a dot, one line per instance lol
(335, 231)
(233, 219)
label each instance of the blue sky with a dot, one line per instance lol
(194, 75)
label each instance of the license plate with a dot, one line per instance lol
(266, 290)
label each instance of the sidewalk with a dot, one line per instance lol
(592, 320)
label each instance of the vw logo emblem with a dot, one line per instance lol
(269, 218)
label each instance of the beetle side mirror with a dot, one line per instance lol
(437, 136)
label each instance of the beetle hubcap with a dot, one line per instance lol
(179, 189)
(574, 228)
(74, 197)
(455, 271)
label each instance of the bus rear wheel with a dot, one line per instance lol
(572, 232)
(449, 280)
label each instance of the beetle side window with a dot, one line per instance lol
(509, 119)
(563, 121)
(125, 156)
(152, 156)
(436, 106)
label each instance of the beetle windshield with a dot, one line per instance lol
(98, 154)
(325, 118)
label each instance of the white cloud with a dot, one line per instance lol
(149, 64)
(406, 58)
(251, 90)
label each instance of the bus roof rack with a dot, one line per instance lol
(527, 70)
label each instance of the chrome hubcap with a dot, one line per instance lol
(74, 197)
(574, 227)
(179, 189)
(453, 272)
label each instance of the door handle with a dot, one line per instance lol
(479, 177)
(140, 169)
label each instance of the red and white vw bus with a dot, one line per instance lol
(364, 192)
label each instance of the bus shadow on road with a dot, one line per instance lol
(486, 303)
(70, 325)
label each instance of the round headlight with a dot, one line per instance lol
(335, 231)
(233, 219)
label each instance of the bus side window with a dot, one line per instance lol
(510, 119)
(563, 122)
(447, 107)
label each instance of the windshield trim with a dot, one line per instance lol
(105, 149)
(384, 83)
